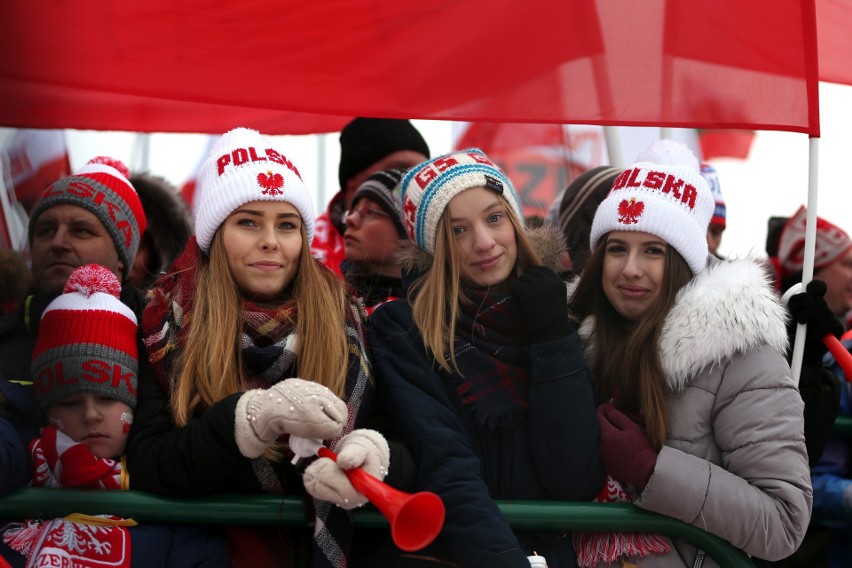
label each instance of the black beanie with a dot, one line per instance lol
(385, 189)
(577, 210)
(365, 141)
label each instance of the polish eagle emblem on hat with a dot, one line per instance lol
(271, 183)
(630, 211)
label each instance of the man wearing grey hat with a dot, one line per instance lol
(367, 145)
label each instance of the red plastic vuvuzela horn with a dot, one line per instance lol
(415, 518)
(841, 355)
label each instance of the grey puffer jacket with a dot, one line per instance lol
(734, 462)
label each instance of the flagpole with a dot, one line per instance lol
(810, 250)
(613, 146)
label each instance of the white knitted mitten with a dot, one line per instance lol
(292, 406)
(324, 479)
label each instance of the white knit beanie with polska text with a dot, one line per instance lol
(244, 166)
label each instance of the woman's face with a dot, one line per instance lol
(484, 236)
(371, 238)
(633, 271)
(263, 245)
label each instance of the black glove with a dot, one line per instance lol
(810, 308)
(543, 299)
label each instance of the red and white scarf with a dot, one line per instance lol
(593, 548)
(59, 461)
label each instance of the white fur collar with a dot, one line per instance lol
(729, 308)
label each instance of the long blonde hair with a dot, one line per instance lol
(436, 317)
(210, 365)
(627, 357)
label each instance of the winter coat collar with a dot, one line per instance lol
(729, 308)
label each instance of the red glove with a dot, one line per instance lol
(626, 452)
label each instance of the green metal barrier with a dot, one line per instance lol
(265, 509)
(843, 426)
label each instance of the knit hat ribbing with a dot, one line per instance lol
(711, 176)
(365, 141)
(832, 243)
(663, 194)
(86, 341)
(384, 188)
(102, 187)
(428, 188)
(577, 210)
(244, 166)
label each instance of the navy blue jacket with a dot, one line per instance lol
(551, 453)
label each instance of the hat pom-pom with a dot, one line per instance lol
(669, 152)
(93, 278)
(113, 163)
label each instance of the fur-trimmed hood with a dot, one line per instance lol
(546, 241)
(729, 308)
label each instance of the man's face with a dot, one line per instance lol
(838, 280)
(67, 237)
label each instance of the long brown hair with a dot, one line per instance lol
(210, 365)
(627, 362)
(436, 317)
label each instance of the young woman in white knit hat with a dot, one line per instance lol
(252, 341)
(480, 368)
(700, 418)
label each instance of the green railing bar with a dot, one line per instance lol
(267, 509)
(843, 426)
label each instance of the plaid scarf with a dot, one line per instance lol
(268, 345)
(493, 357)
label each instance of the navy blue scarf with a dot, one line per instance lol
(493, 356)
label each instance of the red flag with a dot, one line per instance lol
(835, 43)
(725, 143)
(540, 159)
(287, 67)
(37, 158)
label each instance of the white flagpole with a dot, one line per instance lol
(810, 249)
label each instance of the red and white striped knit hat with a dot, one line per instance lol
(102, 187)
(86, 341)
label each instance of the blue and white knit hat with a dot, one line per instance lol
(428, 187)
(244, 166)
(663, 194)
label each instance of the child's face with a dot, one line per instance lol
(100, 422)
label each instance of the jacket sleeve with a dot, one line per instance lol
(563, 424)
(199, 459)
(475, 530)
(19, 424)
(14, 458)
(760, 497)
(820, 391)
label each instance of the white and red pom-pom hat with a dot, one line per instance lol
(663, 194)
(86, 341)
(244, 166)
